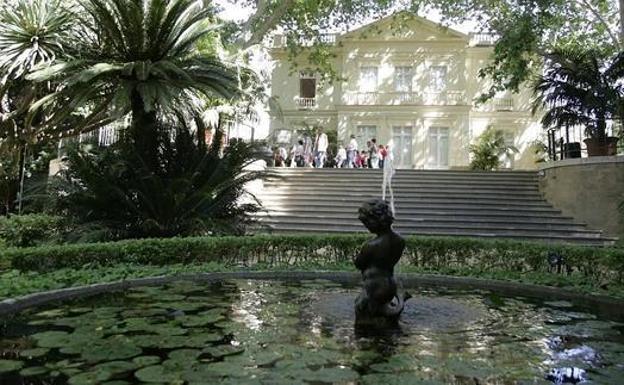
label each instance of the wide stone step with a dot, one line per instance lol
(405, 190)
(400, 179)
(398, 183)
(355, 196)
(513, 235)
(442, 217)
(413, 204)
(416, 225)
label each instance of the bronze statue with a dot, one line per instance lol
(379, 300)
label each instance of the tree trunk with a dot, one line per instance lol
(621, 21)
(22, 177)
(144, 132)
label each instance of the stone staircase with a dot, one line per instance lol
(504, 204)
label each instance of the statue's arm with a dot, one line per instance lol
(363, 259)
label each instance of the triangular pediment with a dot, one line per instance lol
(405, 26)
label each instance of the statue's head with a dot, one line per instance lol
(376, 215)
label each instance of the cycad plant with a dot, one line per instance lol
(490, 147)
(140, 57)
(112, 193)
(581, 88)
(33, 33)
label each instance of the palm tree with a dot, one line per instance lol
(577, 88)
(140, 57)
(33, 33)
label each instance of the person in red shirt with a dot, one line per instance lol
(383, 153)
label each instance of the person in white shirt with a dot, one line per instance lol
(373, 153)
(298, 154)
(352, 150)
(341, 157)
(283, 154)
(320, 148)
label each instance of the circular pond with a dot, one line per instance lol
(279, 332)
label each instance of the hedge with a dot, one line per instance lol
(598, 265)
(31, 230)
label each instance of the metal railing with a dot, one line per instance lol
(281, 40)
(305, 103)
(568, 142)
(503, 104)
(406, 98)
(482, 39)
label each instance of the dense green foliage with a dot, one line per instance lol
(31, 230)
(579, 88)
(490, 147)
(113, 193)
(140, 57)
(596, 266)
(32, 33)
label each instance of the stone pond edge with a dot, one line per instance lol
(411, 280)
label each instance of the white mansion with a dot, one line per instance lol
(413, 88)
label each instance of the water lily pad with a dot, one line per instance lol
(34, 353)
(80, 310)
(223, 350)
(266, 357)
(144, 313)
(397, 363)
(331, 375)
(158, 374)
(223, 369)
(33, 371)
(7, 366)
(183, 306)
(396, 379)
(184, 354)
(52, 339)
(144, 361)
(89, 378)
(194, 321)
(118, 348)
(115, 368)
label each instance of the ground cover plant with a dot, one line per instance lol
(32, 269)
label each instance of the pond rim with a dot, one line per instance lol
(598, 303)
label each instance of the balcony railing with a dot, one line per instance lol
(450, 98)
(482, 39)
(504, 104)
(280, 40)
(405, 98)
(305, 103)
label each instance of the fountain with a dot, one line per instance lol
(379, 302)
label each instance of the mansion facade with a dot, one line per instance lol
(412, 88)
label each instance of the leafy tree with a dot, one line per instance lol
(140, 57)
(489, 149)
(578, 87)
(32, 33)
(112, 193)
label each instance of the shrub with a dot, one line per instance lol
(489, 149)
(31, 230)
(113, 193)
(598, 266)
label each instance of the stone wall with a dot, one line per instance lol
(588, 189)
